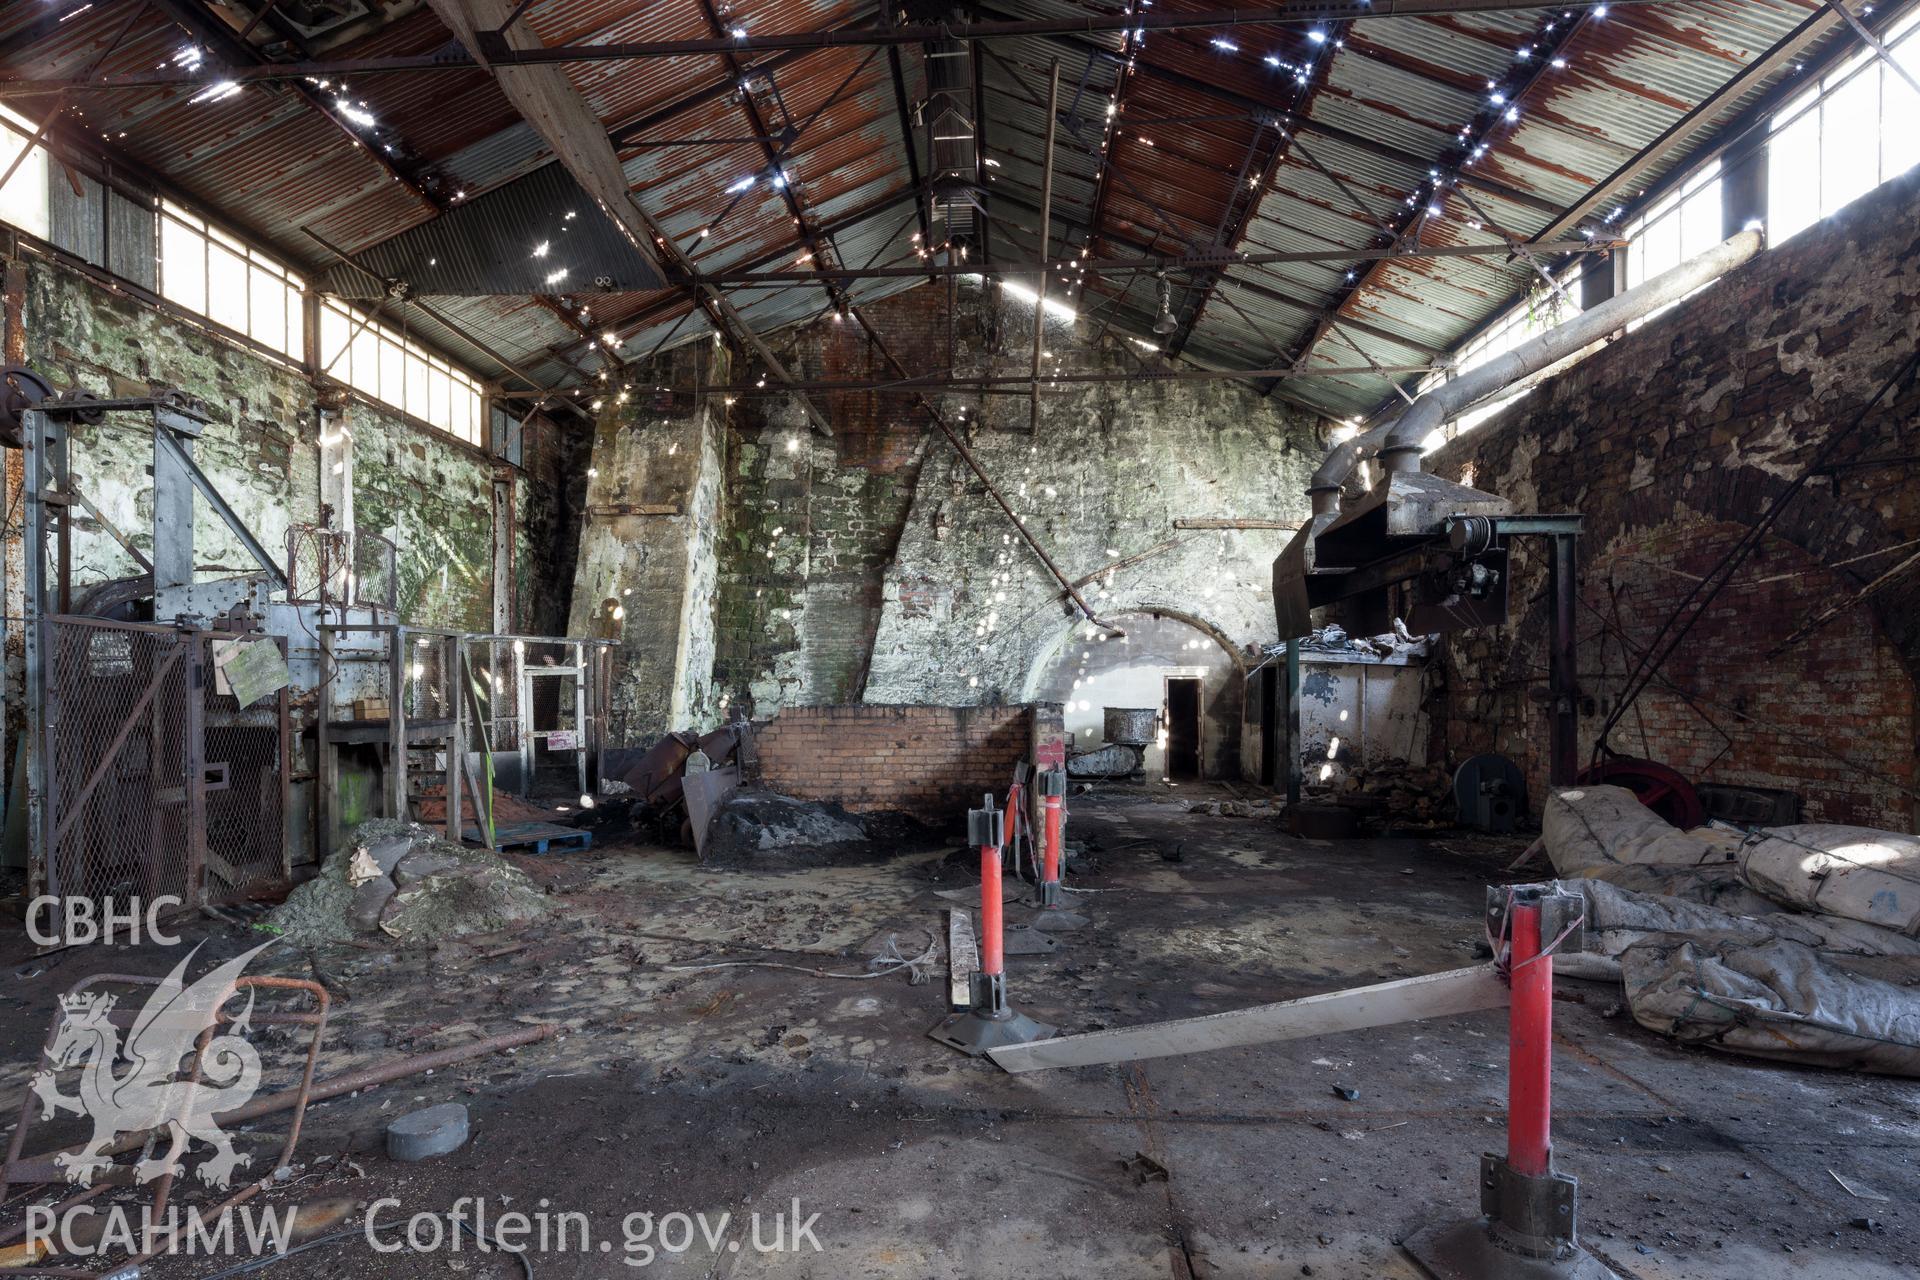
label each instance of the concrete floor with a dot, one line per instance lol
(742, 1090)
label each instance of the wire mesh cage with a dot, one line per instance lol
(115, 806)
(245, 781)
(429, 687)
(375, 576)
(158, 783)
(492, 665)
(320, 563)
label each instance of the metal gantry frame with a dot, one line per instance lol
(177, 771)
(434, 670)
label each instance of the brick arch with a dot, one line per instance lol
(1117, 609)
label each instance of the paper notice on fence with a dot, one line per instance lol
(248, 669)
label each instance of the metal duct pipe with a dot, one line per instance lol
(1401, 437)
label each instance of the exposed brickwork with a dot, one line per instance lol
(1669, 443)
(933, 762)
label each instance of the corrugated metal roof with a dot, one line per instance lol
(1163, 140)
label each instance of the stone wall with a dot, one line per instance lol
(649, 546)
(933, 762)
(1671, 442)
(428, 493)
(874, 566)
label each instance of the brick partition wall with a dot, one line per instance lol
(932, 762)
(1670, 443)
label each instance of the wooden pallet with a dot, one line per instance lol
(536, 838)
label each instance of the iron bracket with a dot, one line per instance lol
(1560, 912)
(1533, 1216)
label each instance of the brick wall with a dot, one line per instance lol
(1670, 443)
(932, 762)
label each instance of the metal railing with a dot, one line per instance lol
(447, 695)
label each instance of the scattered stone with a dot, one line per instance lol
(436, 889)
(766, 829)
(1343, 1091)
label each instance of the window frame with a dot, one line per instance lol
(174, 227)
(345, 343)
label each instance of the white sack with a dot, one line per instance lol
(1856, 873)
(1605, 833)
(1777, 1000)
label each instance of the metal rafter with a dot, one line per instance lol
(1267, 113)
(1781, 55)
(1548, 40)
(1302, 103)
(492, 48)
(1195, 263)
(240, 54)
(817, 246)
(1248, 286)
(1110, 152)
(547, 100)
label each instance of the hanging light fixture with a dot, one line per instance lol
(1165, 323)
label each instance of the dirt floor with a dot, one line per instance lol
(736, 1091)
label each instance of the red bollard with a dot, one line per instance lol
(990, 1022)
(993, 960)
(1529, 1047)
(1530, 1227)
(1053, 788)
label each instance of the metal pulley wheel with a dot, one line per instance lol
(1490, 792)
(21, 389)
(77, 400)
(1657, 786)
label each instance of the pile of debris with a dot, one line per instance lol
(1334, 639)
(402, 881)
(1401, 791)
(769, 830)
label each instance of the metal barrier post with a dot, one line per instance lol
(991, 1022)
(1053, 791)
(1529, 1230)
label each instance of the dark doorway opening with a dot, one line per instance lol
(1269, 726)
(1183, 727)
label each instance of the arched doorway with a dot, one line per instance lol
(1173, 663)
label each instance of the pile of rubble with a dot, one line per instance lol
(1403, 792)
(402, 881)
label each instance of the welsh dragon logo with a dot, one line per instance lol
(151, 1092)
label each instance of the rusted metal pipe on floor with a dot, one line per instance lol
(973, 464)
(41, 1167)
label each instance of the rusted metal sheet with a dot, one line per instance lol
(1388, 103)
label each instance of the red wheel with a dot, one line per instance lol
(1655, 785)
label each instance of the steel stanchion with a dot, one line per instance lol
(991, 1022)
(1529, 1230)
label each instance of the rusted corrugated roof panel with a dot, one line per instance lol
(1389, 100)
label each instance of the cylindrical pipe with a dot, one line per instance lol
(1405, 432)
(992, 954)
(1050, 868)
(1529, 1047)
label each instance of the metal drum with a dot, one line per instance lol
(1131, 726)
